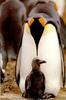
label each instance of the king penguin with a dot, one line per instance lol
(41, 39)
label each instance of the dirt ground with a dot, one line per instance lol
(10, 91)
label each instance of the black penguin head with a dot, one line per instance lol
(36, 64)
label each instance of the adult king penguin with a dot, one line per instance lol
(41, 38)
(61, 9)
(12, 18)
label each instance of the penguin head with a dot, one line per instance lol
(36, 64)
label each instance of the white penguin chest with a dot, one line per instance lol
(49, 50)
(28, 52)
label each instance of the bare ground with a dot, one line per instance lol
(10, 91)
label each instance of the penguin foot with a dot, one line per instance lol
(24, 95)
(48, 96)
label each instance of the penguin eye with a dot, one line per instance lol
(42, 21)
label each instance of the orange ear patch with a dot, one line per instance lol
(42, 21)
(56, 7)
(31, 21)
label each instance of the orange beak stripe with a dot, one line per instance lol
(31, 21)
(42, 21)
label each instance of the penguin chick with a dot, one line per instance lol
(35, 81)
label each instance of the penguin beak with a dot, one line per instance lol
(41, 62)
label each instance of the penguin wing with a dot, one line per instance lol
(62, 53)
(63, 32)
(62, 65)
(63, 36)
(62, 57)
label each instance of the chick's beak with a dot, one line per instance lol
(41, 62)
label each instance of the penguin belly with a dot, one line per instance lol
(49, 50)
(28, 52)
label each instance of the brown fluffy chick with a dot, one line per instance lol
(35, 81)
